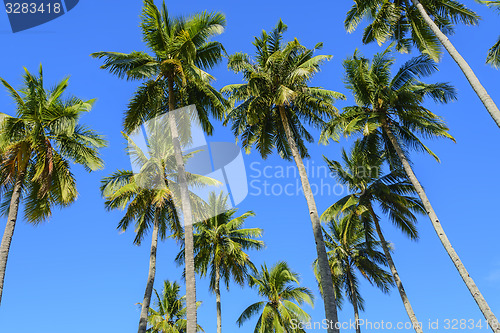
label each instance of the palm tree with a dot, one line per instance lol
(493, 57)
(174, 76)
(276, 100)
(361, 173)
(37, 146)
(170, 313)
(280, 308)
(220, 243)
(427, 22)
(149, 198)
(349, 252)
(390, 114)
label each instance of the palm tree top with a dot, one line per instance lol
(221, 242)
(364, 175)
(181, 51)
(282, 299)
(400, 21)
(277, 80)
(41, 140)
(393, 100)
(349, 250)
(168, 313)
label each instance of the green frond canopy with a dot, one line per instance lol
(40, 141)
(221, 243)
(180, 52)
(391, 102)
(400, 21)
(152, 192)
(350, 253)
(282, 300)
(168, 314)
(276, 80)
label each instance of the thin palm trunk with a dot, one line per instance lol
(354, 300)
(406, 302)
(217, 298)
(464, 66)
(9, 228)
(324, 268)
(143, 321)
(469, 282)
(187, 214)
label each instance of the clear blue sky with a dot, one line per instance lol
(77, 274)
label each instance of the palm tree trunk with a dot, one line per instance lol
(187, 214)
(354, 300)
(217, 297)
(324, 268)
(9, 228)
(406, 302)
(143, 321)
(469, 282)
(464, 66)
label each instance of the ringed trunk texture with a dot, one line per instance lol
(464, 66)
(188, 217)
(143, 321)
(9, 229)
(354, 301)
(324, 268)
(406, 302)
(469, 282)
(217, 297)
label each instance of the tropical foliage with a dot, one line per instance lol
(391, 116)
(220, 245)
(493, 57)
(174, 75)
(37, 145)
(168, 315)
(350, 253)
(276, 102)
(281, 307)
(277, 107)
(150, 198)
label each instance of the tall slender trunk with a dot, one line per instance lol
(354, 300)
(469, 282)
(324, 268)
(187, 214)
(406, 302)
(217, 298)
(143, 321)
(9, 228)
(464, 66)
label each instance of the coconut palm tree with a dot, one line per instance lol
(349, 252)
(361, 173)
(169, 314)
(276, 100)
(423, 23)
(149, 198)
(174, 76)
(280, 308)
(493, 57)
(37, 146)
(390, 115)
(220, 245)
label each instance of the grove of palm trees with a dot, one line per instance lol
(267, 167)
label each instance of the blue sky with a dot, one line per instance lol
(78, 274)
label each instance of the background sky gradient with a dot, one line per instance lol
(78, 274)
